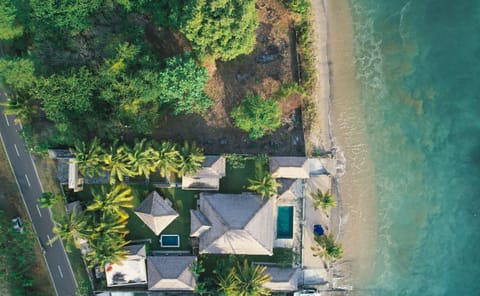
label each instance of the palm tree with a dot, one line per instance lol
(266, 186)
(114, 202)
(327, 247)
(117, 163)
(106, 250)
(323, 200)
(168, 158)
(70, 228)
(23, 111)
(49, 199)
(89, 158)
(244, 280)
(190, 159)
(107, 224)
(143, 158)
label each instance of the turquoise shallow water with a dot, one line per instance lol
(418, 65)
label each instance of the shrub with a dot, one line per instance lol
(257, 116)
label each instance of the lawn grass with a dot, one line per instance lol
(236, 179)
(182, 202)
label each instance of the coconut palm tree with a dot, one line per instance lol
(107, 224)
(143, 158)
(190, 159)
(266, 186)
(327, 247)
(89, 158)
(168, 158)
(113, 202)
(49, 199)
(117, 163)
(323, 200)
(106, 250)
(244, 280)
(70, 228)
(23, 111)
(250, 279)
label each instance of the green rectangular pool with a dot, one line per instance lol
(285, 222)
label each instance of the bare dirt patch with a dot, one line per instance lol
(262, 72)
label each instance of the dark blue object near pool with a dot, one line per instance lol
(318, 229)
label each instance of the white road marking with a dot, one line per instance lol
(28, 181)
(21, 126)
(39, 212)
(16, 149)
(48, 237)
(6, 119)
(60, 270)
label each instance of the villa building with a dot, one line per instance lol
(171, 273)
(209, 175)
(156, 212)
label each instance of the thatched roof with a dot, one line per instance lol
(283, 279)
(240, 224)
(208, 177)
(156, 212)
(290, 167)
(170, 273)
(291, 189)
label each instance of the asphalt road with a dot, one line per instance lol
(30, 187)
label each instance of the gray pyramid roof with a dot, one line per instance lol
(170, 273)
(291, 167)
(283, 279)
(290, 189)
(208, 177)
(136, 250)
(198, 223)
(240, 224)
(156, 212)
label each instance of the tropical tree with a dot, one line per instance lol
(9, 27)
(250, 279)
(117, 163)
(265, 185)
(244, 280)
(327, 247)
(113, 202)
(222, 29)
(182, 85)
(89, 158)
(22, 110)
(107, 224)
(168, 158)
(109, 249)
(49, 199)
(143, 158)
(323, 200)
(19, 73)
(257, 116)
(70, 228)
(190, 159)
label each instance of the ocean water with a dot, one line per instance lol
(418, 67)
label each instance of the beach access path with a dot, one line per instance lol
(30, 188)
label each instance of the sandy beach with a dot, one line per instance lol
(341, 126)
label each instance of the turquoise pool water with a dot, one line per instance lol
(170, 240)
(285, 222)
(418, 64)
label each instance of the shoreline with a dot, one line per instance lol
(342, 128)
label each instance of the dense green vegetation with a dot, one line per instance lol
(257, 116)
(223, 29)
(86, 68)
(16, 257)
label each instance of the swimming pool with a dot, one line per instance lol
(170, 241)
(285, 222)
